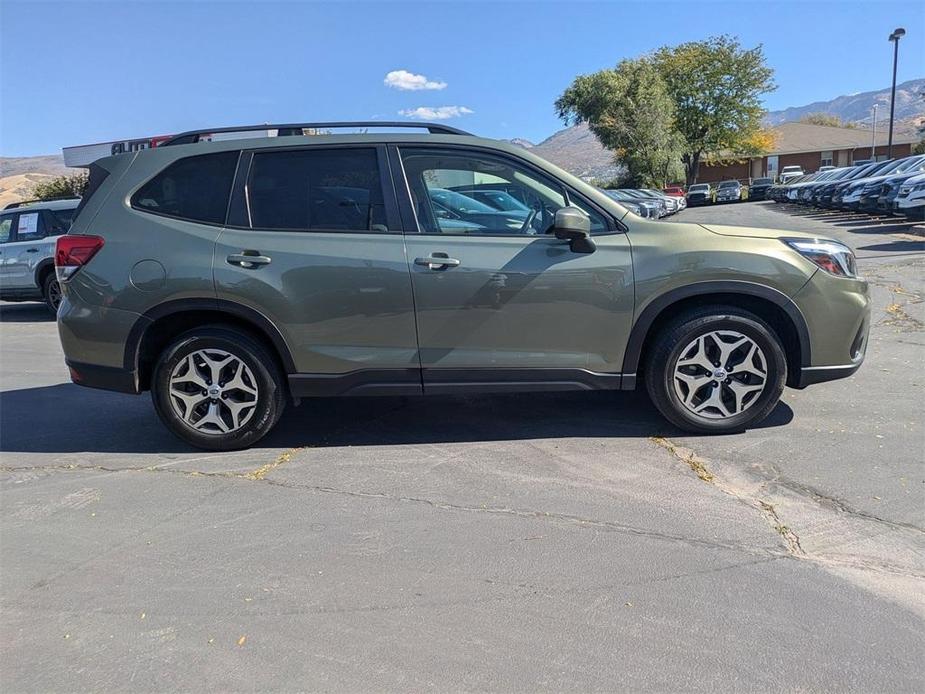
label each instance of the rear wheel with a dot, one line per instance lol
(716, 370)
(218, 388)
(51, 290)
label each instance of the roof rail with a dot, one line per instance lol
(193, 136)
(14, 205)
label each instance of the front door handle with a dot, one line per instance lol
(437, 261)
(248, 259)
(32, 250)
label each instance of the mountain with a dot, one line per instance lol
(857, 108)
(18, 175)
(577, 150)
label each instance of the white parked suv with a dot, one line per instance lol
(28, 231)
(910, 200)
(789, 172)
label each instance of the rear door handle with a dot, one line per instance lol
(248, 259)
(32, 250)
(436, 261)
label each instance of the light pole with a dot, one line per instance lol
(894, 37)
(873, 136)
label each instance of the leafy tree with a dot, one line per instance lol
(716, 86)
(629, 110)
(828, 119)
(61, 187)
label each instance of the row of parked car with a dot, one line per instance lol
(723, 192)
(891, 187)
(648, 202)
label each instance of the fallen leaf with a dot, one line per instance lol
(242, 640)
(142, 615)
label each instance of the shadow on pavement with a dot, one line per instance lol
(896, 246)
(87, 420)
(26, 312)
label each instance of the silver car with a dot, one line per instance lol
(28, 232)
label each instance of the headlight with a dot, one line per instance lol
(833, 257)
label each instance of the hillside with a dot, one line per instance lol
(857, 108)
(18, 175)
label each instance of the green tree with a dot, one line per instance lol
(716, 87)
(629, 110)
(61, 187)
(827, 119)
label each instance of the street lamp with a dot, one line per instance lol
(894, 37)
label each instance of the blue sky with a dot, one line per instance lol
(81, 72)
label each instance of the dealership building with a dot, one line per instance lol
(809, 146)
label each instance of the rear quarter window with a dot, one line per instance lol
(193, 188)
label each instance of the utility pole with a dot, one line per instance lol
(873, 136)
(894, 37)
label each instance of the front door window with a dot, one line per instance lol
(469, 193)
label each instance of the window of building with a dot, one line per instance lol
(317, 189)
(826, 159)
(194, 188)
(458, 192)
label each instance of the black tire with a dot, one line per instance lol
(51, 290)
(266, 376)
(679, 333)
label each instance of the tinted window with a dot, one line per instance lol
(59, 221)
(456, 192)
(6, 227)
(762, 181)
(333, 189)
(194, 188)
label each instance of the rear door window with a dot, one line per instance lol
(317, 190)
(58, 221)
(30, 226)
(193, 188)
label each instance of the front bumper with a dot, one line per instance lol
(837, 312)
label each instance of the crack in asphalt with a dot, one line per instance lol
(789, 536)
(565, 518)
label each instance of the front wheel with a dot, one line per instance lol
(716, 370)
(218, 388)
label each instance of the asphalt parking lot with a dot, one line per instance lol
(540, 542)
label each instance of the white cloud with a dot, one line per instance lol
(435, 112)
(408, 81)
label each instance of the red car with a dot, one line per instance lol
(674, 191)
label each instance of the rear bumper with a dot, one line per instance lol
(103, 377)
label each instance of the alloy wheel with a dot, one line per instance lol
(213, 391)
(54, 295)
(720, 374)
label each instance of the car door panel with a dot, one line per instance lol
(522, 303)
(510, 297)
(341, 301)
(341, 298)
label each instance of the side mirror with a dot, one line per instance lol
(573, 225)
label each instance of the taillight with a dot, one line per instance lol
(72, 252)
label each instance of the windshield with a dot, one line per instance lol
(699, 188)
(729, 184)
(761, 182)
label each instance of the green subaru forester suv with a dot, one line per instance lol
(232, 276)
